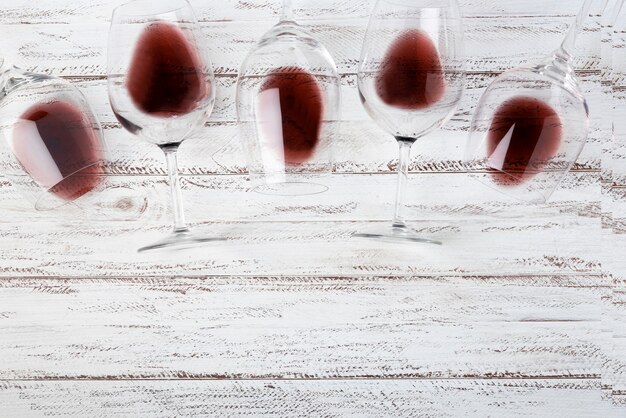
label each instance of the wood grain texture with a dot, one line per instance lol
(80, 49)
(301, 327)
(72, 12)
(270, 398)
(615, 201)
(306, 236)
(350, 197)
(521, 312)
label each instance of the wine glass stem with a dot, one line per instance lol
(287, 12)
(569, 43)
(177, 199)
(403, 173)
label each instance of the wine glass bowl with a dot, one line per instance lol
(411, 77)
(161, 87)
(411, 74)
(51, 141)
(528, 130)
(531, 124)
(160, 75)
(288, 98)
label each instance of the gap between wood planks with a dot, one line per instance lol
(192, 377)
(548, 279)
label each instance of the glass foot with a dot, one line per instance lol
(179, 240)
(396, 233)
(293, 188)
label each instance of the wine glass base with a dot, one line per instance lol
(291, 188)
(179, 240)
(396, 233)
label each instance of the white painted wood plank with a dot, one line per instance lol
(614, 245)
(619, 91)
(614, 203)
(73, 11)
(300, 327)
(607, 22)
(355, 197)
(80, 49)
(606, 92)
(311, 234)
(269, 398)
(615, 266)
(293, 248)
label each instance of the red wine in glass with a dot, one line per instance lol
(165, 77)
(58, 147)
(291, 105)
(525, 133)
(411, 75)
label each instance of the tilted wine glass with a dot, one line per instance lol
(161, 86)
(531, 124)
(411, 78)
(51, 144)
(288, 98)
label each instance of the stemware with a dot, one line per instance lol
(161, 86)
(51, 145)
(288, 98)
(531, 124)
(411, 78)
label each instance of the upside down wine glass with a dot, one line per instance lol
(531, 124)
(288, 97)
(161, 86)
(411, 78)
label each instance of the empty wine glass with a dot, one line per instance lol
(531, 125)
(411, 78)
(288, 97)
(51, 143)
(161, 86)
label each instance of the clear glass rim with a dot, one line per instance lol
(44, 196)
(531, 194)
(127, 8)
(291, 184)
(443, 4)
(291, 188)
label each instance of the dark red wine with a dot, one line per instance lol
(165, 76)
(55, 140)
(524, 135)
(291, 104)
(411, 76)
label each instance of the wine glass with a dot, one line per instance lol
(51, 143)
(161, 86)
(411, 78)
(288, 98)
(531, 124)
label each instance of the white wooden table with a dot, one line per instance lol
(291, 316)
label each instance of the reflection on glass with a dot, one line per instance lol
(51, 142)
(56, 145)
(288, 110)
(411, 78)
(531, 123)
(161, 88)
